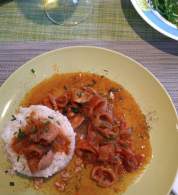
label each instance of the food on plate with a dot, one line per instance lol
(92, 122)
(105, 139)
(39, 141)
(168, 9)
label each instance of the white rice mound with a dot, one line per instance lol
(60, 158)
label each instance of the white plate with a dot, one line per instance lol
(145, 88)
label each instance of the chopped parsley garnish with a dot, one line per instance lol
(65, 87)
(40, 146)
(50, 117)
(33, 71)
(58, 122)
(111, 137)
(64, 111)
(15, 133)
(46, 122)
(102, 76)
(18, 158)
(79, 94)
(75, 109)
(91, 84)
(33, 129)
(114, 90)
(46, 129)
(125, 145)
(11, 183)
(13, 118)
(93, 81)
(21, 134)
(141, 136)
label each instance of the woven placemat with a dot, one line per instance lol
(111, 20)
(161, 58)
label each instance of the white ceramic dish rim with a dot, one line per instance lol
(140, 12)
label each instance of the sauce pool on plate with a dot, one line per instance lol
(112, 142)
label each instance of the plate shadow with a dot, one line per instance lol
(146, 32)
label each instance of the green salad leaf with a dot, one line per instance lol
(168, 9)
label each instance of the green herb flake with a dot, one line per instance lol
(91, 84)
(114, 90)
(40, 146)
(33, 71)
(79, 94)
(64, 111)
(6, 171)
(13, 118)
(102, 76)
(50, 117)
(75, 109)
(58, 122)
(33, 129)
(46, 129)
(65, 87)
(125, 145)
(15, 133)
(46, 123)
(18, 158)
(141, 136)
(11, 183)
(111, 138)
(21, 134)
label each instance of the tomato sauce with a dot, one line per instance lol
(123, 104)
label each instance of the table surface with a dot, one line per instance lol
(110, 20)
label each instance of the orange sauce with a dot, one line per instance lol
(80, 183)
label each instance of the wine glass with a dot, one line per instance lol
(68, 12)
